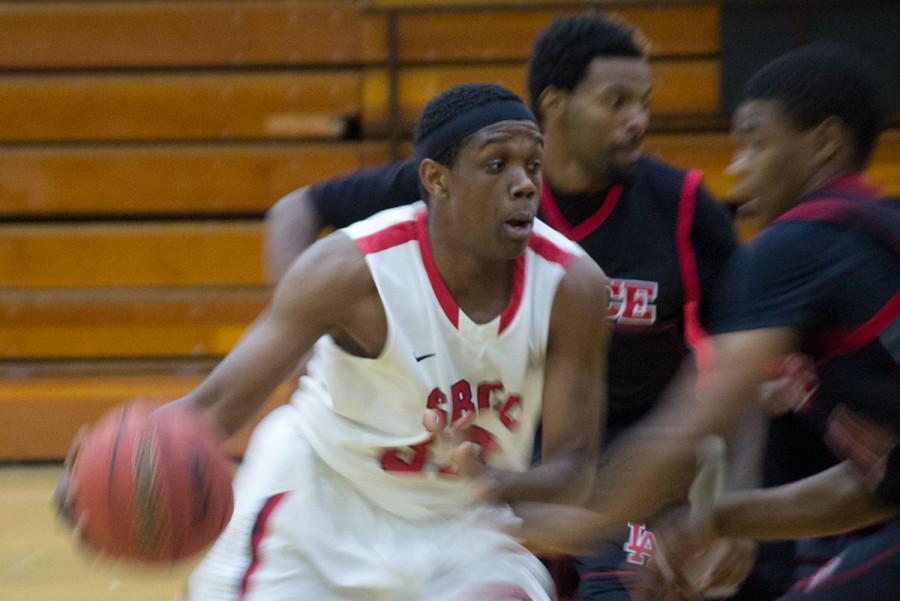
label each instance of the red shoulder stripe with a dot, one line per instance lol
(549, 250)
(389, 237)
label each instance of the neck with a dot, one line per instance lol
(823, 177)
(480, 286)
(568, 174)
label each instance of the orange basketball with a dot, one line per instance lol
(151, 486)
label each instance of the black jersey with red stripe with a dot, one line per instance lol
(830, 269)
(659, 236)
(663, 242)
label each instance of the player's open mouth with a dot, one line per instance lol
(518, 229)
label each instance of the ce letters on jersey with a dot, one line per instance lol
(631, 302)
(487, 397)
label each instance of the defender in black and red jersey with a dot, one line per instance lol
(823, 278)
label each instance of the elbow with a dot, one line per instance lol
(292, 224)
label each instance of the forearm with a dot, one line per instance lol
(563, 479)
(831, 502)
(747, 444)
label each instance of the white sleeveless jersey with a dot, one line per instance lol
(363, 417)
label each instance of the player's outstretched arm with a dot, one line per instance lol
(327, 290)
(574, 396)
(653, 464)
(831, 502)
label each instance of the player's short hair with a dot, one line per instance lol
(448, 119)
(824, 80)
(563, 51)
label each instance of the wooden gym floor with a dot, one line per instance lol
(38, 558)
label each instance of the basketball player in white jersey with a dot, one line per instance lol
(466, 307)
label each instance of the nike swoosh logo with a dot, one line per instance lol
(423, 357)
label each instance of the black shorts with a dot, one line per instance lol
(866, 570)
(603, 577)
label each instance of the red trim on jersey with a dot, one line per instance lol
(855, 184)
(549, 251)
(590, 575)
(451, 309)
(389, 237)
(694, 334)
(256, 539)
(848, 342)
(515, 298)
(445, 299)
(554, 217)
(808, 584)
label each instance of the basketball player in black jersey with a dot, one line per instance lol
(824, 278)
(657, 233)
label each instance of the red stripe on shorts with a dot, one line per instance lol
(256, 538)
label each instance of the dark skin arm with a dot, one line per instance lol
(574, 406)
(327, 290)
(831, 502)
(292, 225)
(652, 465)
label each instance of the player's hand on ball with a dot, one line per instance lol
(63, 499)
(466, 458)
(689, 557)
(727, 564)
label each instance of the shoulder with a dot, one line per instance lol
(552, 246)
(385, 229)
(330, 276)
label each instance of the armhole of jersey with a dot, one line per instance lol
(838, 210)
(694, 334)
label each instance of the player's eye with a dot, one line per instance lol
(495, 165)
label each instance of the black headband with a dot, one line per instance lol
(469, 122)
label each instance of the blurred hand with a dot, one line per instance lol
(690, 561)
(63, 499)
(793, 383)
(726, 564)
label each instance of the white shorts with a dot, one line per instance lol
(301, 531)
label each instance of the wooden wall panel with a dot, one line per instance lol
(125, 323)
(177, 106)
(509, 34)
(131, 254)
(176, 34)
(40, 414)
(168, 179)
(681, 87)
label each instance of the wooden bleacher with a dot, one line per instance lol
(143, 142)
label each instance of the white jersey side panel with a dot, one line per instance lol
(364, 416)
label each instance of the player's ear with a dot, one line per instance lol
(434, 177)
(551, 102)
(830, 137)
